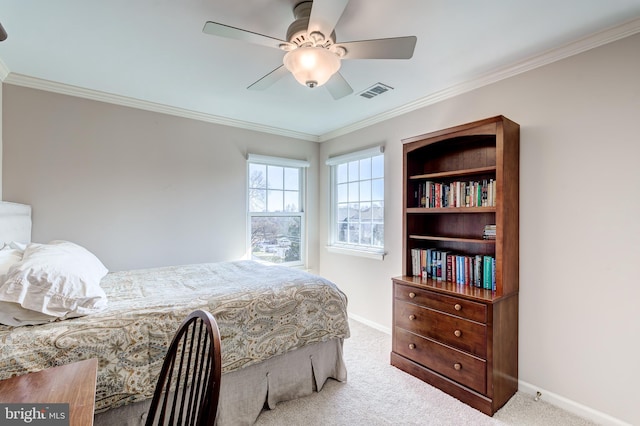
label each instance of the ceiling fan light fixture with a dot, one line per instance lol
(311, 66)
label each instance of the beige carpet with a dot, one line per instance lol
(378, 394)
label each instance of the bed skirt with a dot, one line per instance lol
(244, 393)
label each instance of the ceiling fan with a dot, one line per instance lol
(313, 55)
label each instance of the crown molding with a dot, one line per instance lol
(609, 35)
(65, 89)
(4, 70)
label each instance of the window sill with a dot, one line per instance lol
(371, 254)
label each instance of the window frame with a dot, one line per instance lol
(301, 213)
(334, 245)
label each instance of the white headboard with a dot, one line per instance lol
(15, 222)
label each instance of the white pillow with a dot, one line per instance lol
(8, 257)
(15, 315)
(60, 279)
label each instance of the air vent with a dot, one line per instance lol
(375, 90)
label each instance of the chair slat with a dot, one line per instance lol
(188, 387)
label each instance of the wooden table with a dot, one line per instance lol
(73, 383)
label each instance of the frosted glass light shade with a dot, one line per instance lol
(311, 66)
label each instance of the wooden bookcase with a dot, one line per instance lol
(461, 338)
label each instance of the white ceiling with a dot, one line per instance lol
(153, 54)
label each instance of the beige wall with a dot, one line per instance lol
(579, 223)
(143, 189)
(1, 132)
(138, 188)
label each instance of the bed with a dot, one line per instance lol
(282, 332)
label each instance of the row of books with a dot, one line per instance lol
(466, 270)
(456, 194)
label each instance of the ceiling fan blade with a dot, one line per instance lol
(384, 48)
(221, 30)
(325, 15)
(269, 79)
(338, 86)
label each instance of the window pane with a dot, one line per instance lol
(365, 212)
(257, 176)
(354, 233)
(342, 222)
(275, 177)
(365, 168)
(354, 213)
(291, 179)
(353, 192)
(257, 200)
(365, 190)
(378, 235)
(377, 212)
(377, 166)
(343, 212)
(275, 201)
(377, 189)
(291, 200)
(342, 232)
(365, 234)
(341, 173)
(276, 239)
(353, 171)
(342, 193)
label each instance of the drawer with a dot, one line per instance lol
(458, 366)
(454, 331)
(452, 305)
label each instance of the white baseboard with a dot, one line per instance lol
(369, 323)
(571, 406)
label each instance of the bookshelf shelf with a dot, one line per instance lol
(450, 210)
(452, 239)
(456, 173)
(455, 306)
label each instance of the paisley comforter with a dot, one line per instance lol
(262, 311)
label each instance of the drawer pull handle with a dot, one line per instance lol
(457, 333)
(457, 366)
(412, 317)
(412, 346)
(412, 295)
(457, 307)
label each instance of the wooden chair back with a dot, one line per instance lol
(188, 387)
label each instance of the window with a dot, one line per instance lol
(357, 203)
(275, 209)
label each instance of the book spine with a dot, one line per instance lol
(486, 279)
(467, 275)
(453, 268)
(478, 273)
(493, 273)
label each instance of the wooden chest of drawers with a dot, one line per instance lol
(466, 347)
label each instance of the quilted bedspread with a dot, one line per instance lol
(262, 311)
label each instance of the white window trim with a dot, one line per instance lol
(360, 251)
(283, 162)
(347, 249)
(357, 155)
(276, 161)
